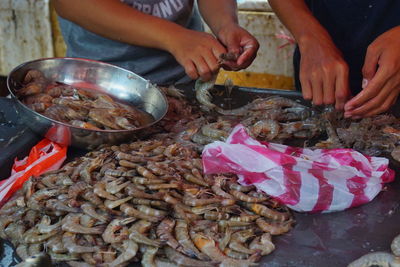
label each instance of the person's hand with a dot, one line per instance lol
(239, 42)
(381, 71)
(197, 52)
(324, 74)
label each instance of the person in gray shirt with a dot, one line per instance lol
(161, 40)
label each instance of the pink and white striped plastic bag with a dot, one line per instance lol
(305, 180)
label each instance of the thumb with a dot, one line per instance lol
(233, 45)
(370, 63)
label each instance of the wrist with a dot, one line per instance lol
(172, 39)
(224, 29)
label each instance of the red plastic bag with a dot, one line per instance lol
(306, 180)
(43, 157)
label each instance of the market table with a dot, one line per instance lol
(328, 240)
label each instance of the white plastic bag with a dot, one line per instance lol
(306, 180)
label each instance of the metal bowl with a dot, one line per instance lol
(93, 75)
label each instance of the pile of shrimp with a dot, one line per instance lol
(78, 107)
(380, 258)
(275, 119)
(148, 202)
(281, 120)
(374, 136)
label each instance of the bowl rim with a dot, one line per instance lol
(94, 61)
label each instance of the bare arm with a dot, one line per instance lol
(323, 72)
(197, 52)
(115, 20)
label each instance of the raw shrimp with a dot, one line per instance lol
(191, 178)
(145, 181)
(150, 211)
(63, 257)
(15, 231)
(111, 204)
(100, 190)
(142, 239)
(208, 247)
(22, 251)
(218, 182)
(239, 239)
(203, 95)
(55, 244)
(42, 194)
(148, 202)
(243, 197)
(245, 218)
(148, 257)
(103, 117)
(396, 153)
(235, 254)
(164, 232)
(376, 259)
(145, 172)
(129, 250)
(33, 236)
(263, 244)
(267, 212)
(132, 190)
(241, 188)
(45, 225)
(225, 239)
(180, 259)
(216, 215)
(59, 206)
(33, 75)
(395, 246)
(217, 130)
(274, 228)
(129, 210)
(193, 202)
(71, 223)
(141, 226)
(266, 128)
(90, 210)
(110, 236)
(69, 241)
(182, 236)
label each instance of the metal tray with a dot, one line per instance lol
(328, 240)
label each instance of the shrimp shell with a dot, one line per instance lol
(182, 235)
(243, 197)
(180, 259)
(148, 257)
(376, 259)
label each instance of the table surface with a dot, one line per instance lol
(328, 240)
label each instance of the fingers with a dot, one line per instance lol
(383, 107)
(370, 62)
(204, 66)
(317, 91)
(373, 88)
(328, 88)
(381, 102)
(305, 86)
(191, 70)
(248, 55)
(342, 88)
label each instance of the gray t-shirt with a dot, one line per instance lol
(158, 66)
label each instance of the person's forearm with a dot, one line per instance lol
(115, 20)
(299, 20)
(218, 14)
